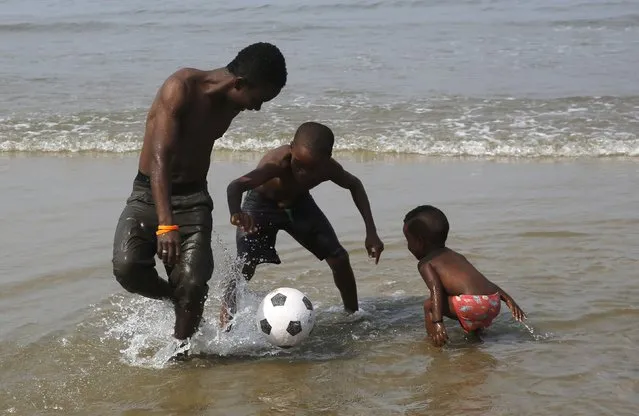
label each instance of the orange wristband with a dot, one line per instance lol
(163, 229)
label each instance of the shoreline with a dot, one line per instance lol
(548, 231)
(365, 156)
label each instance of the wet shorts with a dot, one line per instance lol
(304, 221)
(135, 241)
(476, 311)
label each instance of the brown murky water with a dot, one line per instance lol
(560, 236)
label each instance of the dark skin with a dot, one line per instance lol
(447, 274)
(286, 173)
(191, 110)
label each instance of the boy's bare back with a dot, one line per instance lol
(457, 289)
(459, 276)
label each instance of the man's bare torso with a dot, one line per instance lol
(204, 120)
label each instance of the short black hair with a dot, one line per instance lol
(429, 223)
(316, 137)
(261, 63)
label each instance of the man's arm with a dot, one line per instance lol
(344, 179)
(171, 104)
(434, 283)
(251, 180)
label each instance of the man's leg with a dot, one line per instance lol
(134, 249)
(189, 278)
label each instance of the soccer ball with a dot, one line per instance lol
(285, 317)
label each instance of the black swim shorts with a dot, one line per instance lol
(304, 221)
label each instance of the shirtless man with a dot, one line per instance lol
(278, 198)
(169, 210)
(457, 289)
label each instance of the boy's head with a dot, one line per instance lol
(311, 150)
(260, 74)
(426, 228)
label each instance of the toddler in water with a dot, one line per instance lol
(457, 289)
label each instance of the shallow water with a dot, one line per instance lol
(558, 236)
(518, 119)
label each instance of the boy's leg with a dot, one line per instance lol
(344, 279)
(310, 227)
(135, 247)
(254, 248)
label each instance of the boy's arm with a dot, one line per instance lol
(437, 297)
(339, 176)
(517, 312)
(244, 183)
(434, 283)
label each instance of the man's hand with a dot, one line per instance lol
(440, 336)
(244, 221)
(169, 247)
(374, 246)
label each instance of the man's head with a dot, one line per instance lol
(260, 72)
(425, 228)
(311, 150)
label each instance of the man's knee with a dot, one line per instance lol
(127, 272)
(339, 261)
(191, 292)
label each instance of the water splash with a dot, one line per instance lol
(145, 325)
(536, 335)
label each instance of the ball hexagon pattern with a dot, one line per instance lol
(285, 317)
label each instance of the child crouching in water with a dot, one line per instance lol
(457, 289)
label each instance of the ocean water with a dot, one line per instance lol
(518, 119)
(475, 78)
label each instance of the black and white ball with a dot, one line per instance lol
(285, 317)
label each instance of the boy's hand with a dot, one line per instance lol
(244, 221)
(518, 314)
(374, 246)
(440, 336)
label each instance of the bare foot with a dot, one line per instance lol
(225, 319)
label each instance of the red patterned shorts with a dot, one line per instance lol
(476, 311)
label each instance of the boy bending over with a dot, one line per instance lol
(457, 289)
(278, 198)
